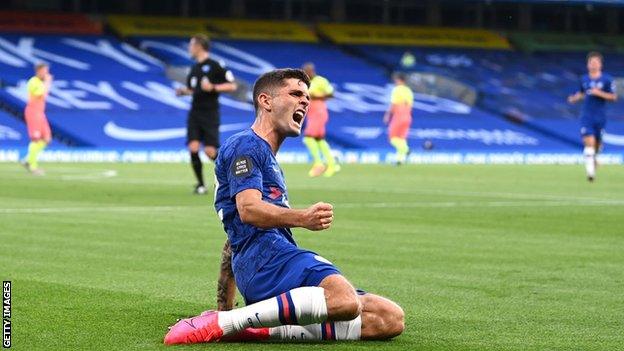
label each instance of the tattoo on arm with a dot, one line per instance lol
(226, 286)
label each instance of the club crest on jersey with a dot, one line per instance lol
(205, 68)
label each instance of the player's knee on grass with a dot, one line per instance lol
(343, 303)
(381, 318)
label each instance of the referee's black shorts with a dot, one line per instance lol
(203, 126)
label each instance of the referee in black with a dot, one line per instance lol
(205, 81)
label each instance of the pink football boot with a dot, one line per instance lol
(203, 328)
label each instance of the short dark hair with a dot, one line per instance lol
(275, 78)
(202, 40)
(596, 54)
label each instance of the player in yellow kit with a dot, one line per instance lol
(399, 117)
(314, 133)
(38, 128)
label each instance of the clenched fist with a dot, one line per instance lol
(318, 216)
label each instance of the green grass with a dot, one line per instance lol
(479, 257)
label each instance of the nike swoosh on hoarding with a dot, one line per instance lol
(613, 139)
(128, 134)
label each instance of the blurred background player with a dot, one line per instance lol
(205, 81)
(399, 116)
(596, 88)
(38, 128)
(314, 133)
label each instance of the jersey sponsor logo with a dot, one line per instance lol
(193, 82)
(593, 84)
(242, 166)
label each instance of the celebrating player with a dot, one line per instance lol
(314, 133)
(399, 116)
(291, 293)
(596, 88)
(205, 81)
(38, 128)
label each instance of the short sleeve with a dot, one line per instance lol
(188, 79)
(409, 96)
(609, 85)
(320, 87)
(327, 87)
(35, 87)
(397, 96)
(221, 75)
(245, 171)
(402, 95)
(580, 87)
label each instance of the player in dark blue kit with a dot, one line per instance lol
(291, 293)
(596, 89)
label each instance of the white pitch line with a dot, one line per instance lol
(406, 191)
(91, 175)
(380, 205)
(502, 195)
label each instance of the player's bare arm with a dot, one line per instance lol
(603, 94)
(183, 91)
(47, 82)
(254, 211)
(209, 87)
(223, 87)
(387, 116)
(576, 97)
(226, 285)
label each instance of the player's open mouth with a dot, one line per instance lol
(298, 116)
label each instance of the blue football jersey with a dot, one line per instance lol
(245, 161)
(594, 106)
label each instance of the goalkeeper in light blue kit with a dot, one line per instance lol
(596, 89)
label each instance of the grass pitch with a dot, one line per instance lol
(106, 256)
